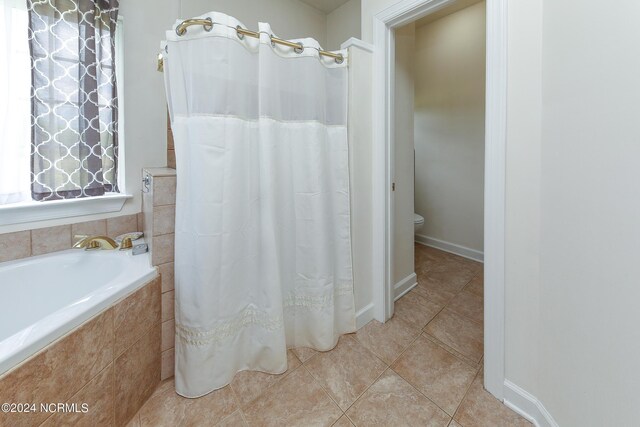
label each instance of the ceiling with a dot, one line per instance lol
(448, 10)
(326, 6)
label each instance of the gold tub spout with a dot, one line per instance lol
(95, 242)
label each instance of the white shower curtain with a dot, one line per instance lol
(263, 246)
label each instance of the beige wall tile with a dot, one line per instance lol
(140, 221)
(50, 239)
(98, 396)
(137, 375)
(15, 245)
(168, 364)
(164, 190)
(121, 224)
(163, 249)
(168, 309)
(90, 228)
(171, 159)
(58, 372)
(164, 219)
(168, 335)
(135, 314)
(167, 276)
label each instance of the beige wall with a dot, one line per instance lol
(449, 127)
(342, 24)
(403, 265)
(360, 162)
(590, 212)
(145, 139)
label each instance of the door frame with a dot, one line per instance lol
(384, 24)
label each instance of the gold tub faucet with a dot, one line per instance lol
(94, 242)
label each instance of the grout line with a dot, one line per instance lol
(327, 392)
(466, 393)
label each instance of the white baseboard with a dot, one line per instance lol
(404, 286)
(450, 247)
(364, 316)
(527, 405)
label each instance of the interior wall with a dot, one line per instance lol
(360, 162)
(522, 213)
(403, 265)
(289, 19)
(343, 23)
(143, 96)
(590, 212)
(449, 127)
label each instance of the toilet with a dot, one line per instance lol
(418, 222)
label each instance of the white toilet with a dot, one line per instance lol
(418, 222)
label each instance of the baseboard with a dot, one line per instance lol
(364, 316)
(404, 286)
(450, 247)
(527, 405)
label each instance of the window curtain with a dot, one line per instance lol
(74, 102)
(263, 241)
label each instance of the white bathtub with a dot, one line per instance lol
(44, 297)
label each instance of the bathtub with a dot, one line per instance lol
(47, 296)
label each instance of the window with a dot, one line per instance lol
(57, 61)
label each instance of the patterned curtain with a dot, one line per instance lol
(74, 103)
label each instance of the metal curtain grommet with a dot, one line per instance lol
(340, 59)
(298, 49)
(208, 27)
(238, 33)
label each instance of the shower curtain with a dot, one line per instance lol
(263, 249)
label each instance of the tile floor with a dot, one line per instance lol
(422, 368)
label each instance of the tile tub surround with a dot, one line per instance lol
(23, 244)
(111, 363)
(159, 212)
(401, 373)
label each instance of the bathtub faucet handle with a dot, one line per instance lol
(95, 242)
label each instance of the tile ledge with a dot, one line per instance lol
(160, 171)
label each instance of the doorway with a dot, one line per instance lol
(384, 26)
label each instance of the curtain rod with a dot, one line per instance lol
(208, 24)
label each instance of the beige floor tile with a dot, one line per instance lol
(343, 422)
(438, 374)
(298, 400)
(233, 420)
(453, 423)
(450, 276)
(416, 310)
(476, 286)
(434, 292)
(248, 385)
(135, 421)
(468, 305)
(479, 408)
(458, 332)
(346, 371)
(387, 340)
(391, 401)
(166, 408)
(304, 353)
